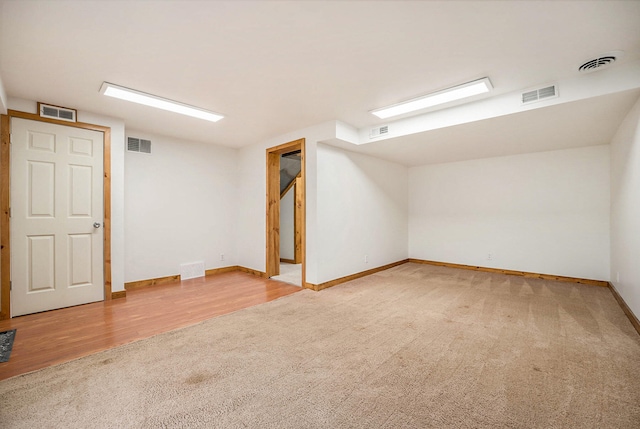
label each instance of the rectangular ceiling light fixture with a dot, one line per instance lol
(158, 102)
(454, 93)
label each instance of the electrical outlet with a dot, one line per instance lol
(366, 259)
(222, 256)
(489, 256)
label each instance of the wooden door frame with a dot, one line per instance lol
(272, 265)
(5, 201)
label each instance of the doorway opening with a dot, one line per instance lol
(285, 248)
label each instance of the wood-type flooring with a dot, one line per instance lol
(57, 336)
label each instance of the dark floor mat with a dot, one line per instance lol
(6, 344)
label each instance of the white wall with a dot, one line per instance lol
(251, 234)
(362, 210)
(4, 102)
(117, 183)
(544, 212)
(625, 210)
(287, 225)
(181, 205)
(3, 99)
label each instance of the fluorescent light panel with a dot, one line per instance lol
(454, 93)
(158, 102)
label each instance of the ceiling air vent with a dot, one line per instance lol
(56, 112)
(138, 145)
(539, 94)
(600, 62)
(379, 131)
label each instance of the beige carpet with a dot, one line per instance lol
(415, 346)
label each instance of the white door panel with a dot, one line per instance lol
(40, 263)
(56, 197)
(80, 250)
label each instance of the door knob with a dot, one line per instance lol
(96, 224)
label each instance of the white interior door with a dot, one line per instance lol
(56, 216)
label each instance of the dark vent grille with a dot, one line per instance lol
(145, 146)
(138, 145)
(530, 96)
(65, 114)
(539, 94)
(547, 92)
(133, 144)
(49, 111)
(379, 131)
(597, 63)
(53, 112)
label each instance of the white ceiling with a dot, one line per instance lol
(588, 122)
(275, 67)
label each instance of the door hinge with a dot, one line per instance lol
(10, 286)
(9, 211)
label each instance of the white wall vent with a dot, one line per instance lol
(55, 112)
(539, 94)
(135, 144)
(379, 131)
(191, 270)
